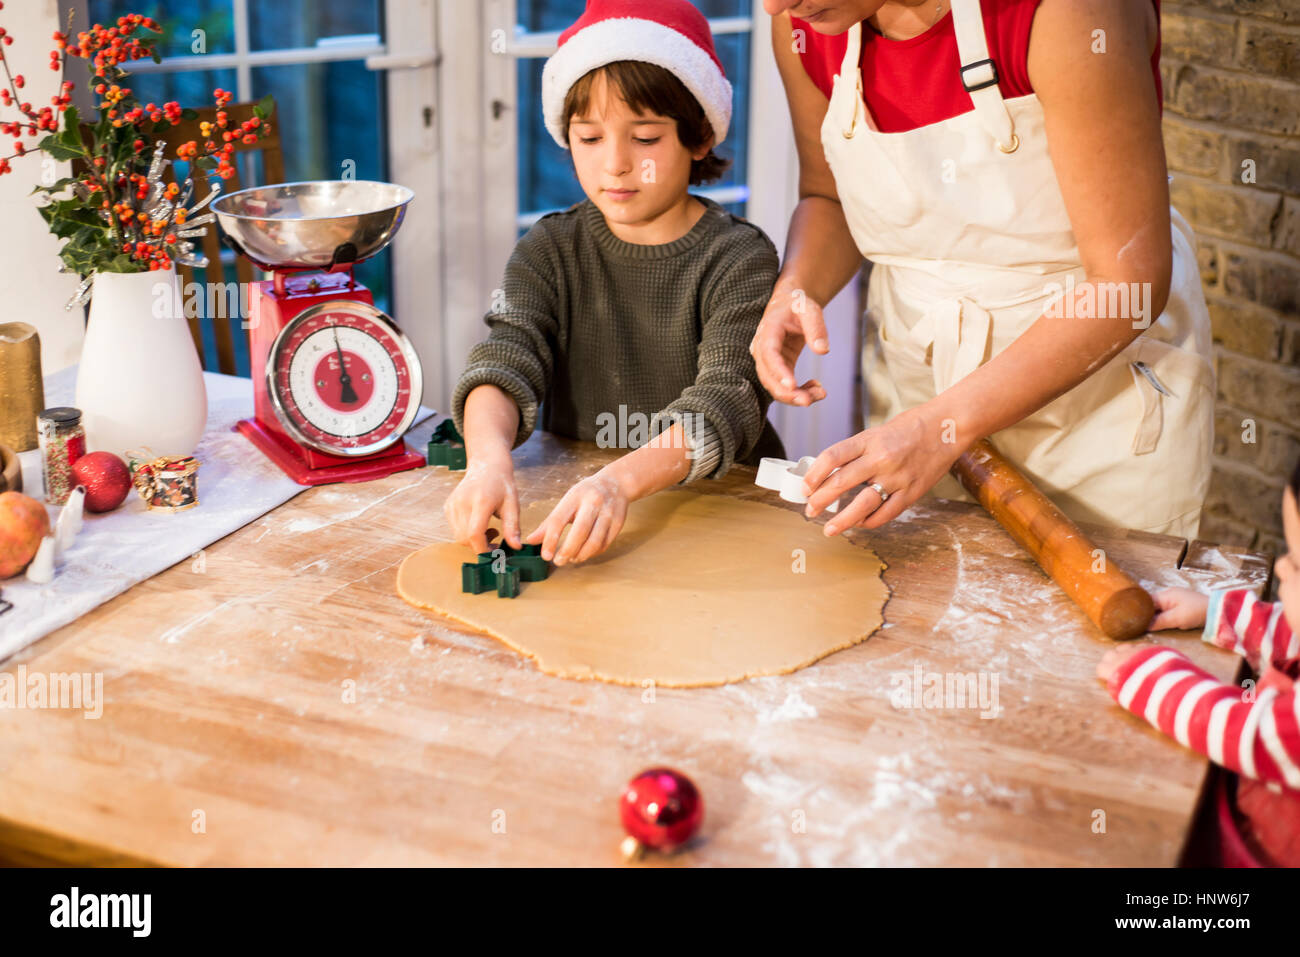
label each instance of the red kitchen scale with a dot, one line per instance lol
(336, 384)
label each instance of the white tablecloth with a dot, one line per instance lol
(114, 550)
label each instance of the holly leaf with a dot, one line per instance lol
(54, 187)
(188, 114)
(63, 146)
(77, 259)
(264, 107)
(68, 219)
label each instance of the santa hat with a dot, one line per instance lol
(668, 33)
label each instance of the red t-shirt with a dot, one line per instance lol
(913, 83)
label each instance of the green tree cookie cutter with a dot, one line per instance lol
(447, 447)
(503, 568)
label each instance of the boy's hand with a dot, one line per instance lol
(597, 507)
(1179, 608)
(1112, 659)
(487, 489)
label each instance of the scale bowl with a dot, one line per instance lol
(312, 225)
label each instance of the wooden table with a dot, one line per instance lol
(274, 702)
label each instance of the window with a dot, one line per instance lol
(546, 179)
(310, 55)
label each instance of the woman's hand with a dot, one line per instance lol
(791, 319)
(487, 489)
(597, 508)
(906, 456)
(1179, 608)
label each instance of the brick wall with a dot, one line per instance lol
(1231, 72)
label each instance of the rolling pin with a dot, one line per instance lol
(1114, 602)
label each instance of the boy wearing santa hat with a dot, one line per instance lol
(635, 307)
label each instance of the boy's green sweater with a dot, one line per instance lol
(589, 323)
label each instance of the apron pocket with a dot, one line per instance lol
(1162, 373)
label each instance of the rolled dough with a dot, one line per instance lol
(697, 590)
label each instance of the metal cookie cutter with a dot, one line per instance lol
(446, 447)
(523, 565)
(786, 478)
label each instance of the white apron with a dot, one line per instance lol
(967, 229)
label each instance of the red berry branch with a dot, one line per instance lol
(119, 216)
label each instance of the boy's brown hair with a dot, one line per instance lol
(647, 88)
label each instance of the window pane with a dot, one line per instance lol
(725, 8)
(546, 177)
(192, 88)
(331, 121)
(280, 24)
(547, 15)
(733, 51)
(178, 19)
(331, 117)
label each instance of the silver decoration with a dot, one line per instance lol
(156, 207)
(214, 190)
(82, 295)
(157, 164)
(199, 220)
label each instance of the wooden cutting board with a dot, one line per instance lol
(272, 701)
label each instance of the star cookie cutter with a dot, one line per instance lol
(786, 478)
(503, 568)
(447, 447)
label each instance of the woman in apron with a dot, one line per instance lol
(1030, 281)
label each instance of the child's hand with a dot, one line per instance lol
(1179, 608)
(487, 489)
(1112, 659)
(597, 507)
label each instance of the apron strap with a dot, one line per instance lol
(852, 51)
(851, 74)
(959, 330)
(979, 74)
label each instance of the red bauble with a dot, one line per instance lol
(106, 478)
(661, 808)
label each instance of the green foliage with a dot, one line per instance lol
(88, 211)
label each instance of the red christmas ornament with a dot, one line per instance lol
(661, 809)
(106, 478)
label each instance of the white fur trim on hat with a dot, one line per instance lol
(630, 38)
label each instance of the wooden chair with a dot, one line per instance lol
(272, 172)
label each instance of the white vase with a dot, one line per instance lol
(140, 382)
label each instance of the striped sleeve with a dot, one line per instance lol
(1257, 736)
(1254, 629)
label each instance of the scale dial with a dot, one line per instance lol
(343, 379)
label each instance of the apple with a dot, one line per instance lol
(23, 523)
